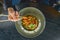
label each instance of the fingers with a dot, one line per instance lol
(10, 18)
(17, 14)
(10, 10)
(13, 16)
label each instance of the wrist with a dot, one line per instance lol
(10, 9)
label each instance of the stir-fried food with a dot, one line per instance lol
(29, 22)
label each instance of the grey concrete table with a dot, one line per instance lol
(51, 32)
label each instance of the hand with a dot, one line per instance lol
(13, 15)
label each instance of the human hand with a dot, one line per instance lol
(13, 15)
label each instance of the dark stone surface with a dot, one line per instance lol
(9, 32)
(51, 32)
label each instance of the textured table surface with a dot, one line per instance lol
(51, 32)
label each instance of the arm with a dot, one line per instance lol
(9, 4)
(12, 13)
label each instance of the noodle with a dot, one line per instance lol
(29, 22)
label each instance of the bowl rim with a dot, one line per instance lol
(43, 18)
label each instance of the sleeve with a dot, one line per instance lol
(11, 3)
(8, 3)
(15, 2)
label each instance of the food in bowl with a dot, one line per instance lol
(29, 22)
